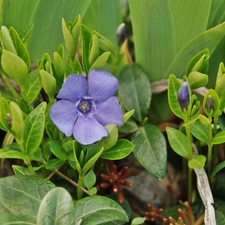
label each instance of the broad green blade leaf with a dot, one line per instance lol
(154, 36)
(32, 86)
(10, 219)
(89, 179)
(190, 19)
(14, 66)
(209, 39)
(219, 167)
(56, 208)
(54, 163)
(173, 87)
(11, 154)
(197, 162)
(199, 131)
(150, 150)
(47, 30)
(56, 148)
(135, 90)
(100, 62)
(34, 128)
(178, 142)
(96, 210)
(219, 138)
(119, 151)
(109, 13)
(22, 194)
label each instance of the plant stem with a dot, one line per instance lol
(190, 184)
(11, 88)
(209, 161)
(71, 181)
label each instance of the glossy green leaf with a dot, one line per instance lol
(197, 80)
(11, 154)
(127, 116)
(178, 142)
(200, 131)
(34, 128)
(57, 149)
(121, 150)
(20, 47)
(109, 141)
(73, 67)
(220, 80)
(48, 82)
(32, 86)
(20, 170)
(59, 69)
(219, 138)
(94, 51)
(56, 208)
(96, 210)
(219, 167)
(86, 40)
(100, 61)
(154, 36)
(10, 218)
(135, 90)
(199, 63)
(17, 121)
(197, 162)
(23, 194)
(129, 127)
(90, 179)
(14, 66)
(173, 87)
(150, 150)
(54, 163)
(138, 220)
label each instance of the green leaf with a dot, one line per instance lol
(219, 138)
(154, 36)
(200, 131)
(90, 179)
(197, 162)
(32, 86)
(173, 87)
(54, 163)
(86, 40)
(219, 167)
(12, 154)
(34, 128)
(138, 220)
(109, 141)
(94, 51)
(20, 170)
(197, 80)
(220, 81)
(4, 114)
(135, 90)
(150, 150)
(9, 218)
(59, 70)
(96, 210)
(23, 194)
(178, 142)
(14, 66)
(127, 116)
(121, 150)
(48, 82)
(17, 121)
(199, 63)
(57, 149)
(56, 208)
(100, 61)
(20, 47)
(129, 127)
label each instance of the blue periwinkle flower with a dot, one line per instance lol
(184, 95)
(85, 107)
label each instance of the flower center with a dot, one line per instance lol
(84, 106)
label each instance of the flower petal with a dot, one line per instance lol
(102, 85)
(63, 114)
(87, 130)
(108, 112)
(74, 87)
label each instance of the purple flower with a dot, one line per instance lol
(85, 107)
(184, 95)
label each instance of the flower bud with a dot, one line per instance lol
(121, 33)
(209, 104)
(184, 95)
